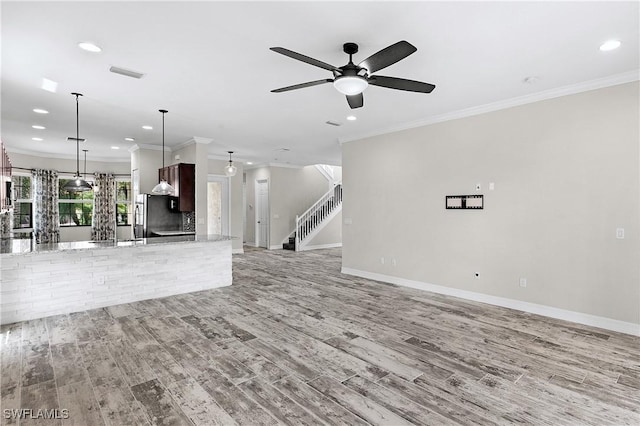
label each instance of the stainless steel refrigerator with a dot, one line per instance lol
(153, 217)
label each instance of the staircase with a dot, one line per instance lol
(309, 223)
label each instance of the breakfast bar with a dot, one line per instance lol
(40, 280)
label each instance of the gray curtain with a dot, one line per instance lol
(103, 225)
(46, 223)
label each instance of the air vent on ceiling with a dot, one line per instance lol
(283, 150)
(72, 139)
(334, 123)
(126, 72)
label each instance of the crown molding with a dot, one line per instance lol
(38, 154)
(199, 139)
(139, 146)
(571, 89)
(193, 140)
(281, 165)
(286, 166)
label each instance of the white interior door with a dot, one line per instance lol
(218, 204)
(262, 213)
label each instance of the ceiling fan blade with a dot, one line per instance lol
(401, 84)
(303, 58)
(388, 56)
(302, 85)
(355, 101)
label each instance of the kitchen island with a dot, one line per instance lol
(40, 280)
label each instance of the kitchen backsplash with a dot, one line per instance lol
(189, 221)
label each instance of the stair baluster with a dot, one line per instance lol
(308, 221)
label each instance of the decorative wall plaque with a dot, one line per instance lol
(467, 202)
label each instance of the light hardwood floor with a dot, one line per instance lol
(293, 341)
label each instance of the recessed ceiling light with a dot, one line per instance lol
(89, 47)
(40, 111)
(36, 139)
(49, 85)
(129, 139)
(147, 127)
(610, 45)
(115, 147)
(249, 163)
(352, 118)
(35, 126)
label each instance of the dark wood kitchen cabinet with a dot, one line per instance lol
(182, 177)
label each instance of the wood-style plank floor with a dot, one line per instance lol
(293, 341)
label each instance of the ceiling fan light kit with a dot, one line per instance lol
(351, 79)
(350, 85)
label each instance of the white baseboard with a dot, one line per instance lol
(321, 246)
(251, 244)
(548, 311)
(276, 247)
(237, 251)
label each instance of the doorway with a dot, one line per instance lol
(218, 205)
(262, 213)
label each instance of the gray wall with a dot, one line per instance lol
(291, 192)
(566, 174)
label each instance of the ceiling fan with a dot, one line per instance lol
(352, 79)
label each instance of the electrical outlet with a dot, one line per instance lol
(523, 282)
(620, 233)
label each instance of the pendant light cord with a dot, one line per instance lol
(77, 95)
(163, 111)
(163, 140)
(77, 135)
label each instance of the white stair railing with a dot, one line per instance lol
(309, 220)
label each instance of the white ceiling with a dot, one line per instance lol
(210, 65)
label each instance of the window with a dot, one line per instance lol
(76, 208)
(23, 207)
(123, 202)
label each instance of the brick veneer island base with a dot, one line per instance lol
(40, 280)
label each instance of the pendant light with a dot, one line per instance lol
(84, 174)
(77, 184)
(163, 188)
(230, 170)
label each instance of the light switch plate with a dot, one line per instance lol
(492, 186)
(620, 233)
